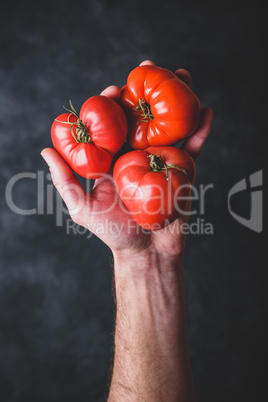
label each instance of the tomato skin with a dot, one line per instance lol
(106, 125)
(174, 106)
(151, 199)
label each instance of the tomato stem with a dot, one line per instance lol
(82, 134)
(146, 110)
(157, 165)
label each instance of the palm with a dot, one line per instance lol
(106, 211)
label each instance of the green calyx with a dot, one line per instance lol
(145, 109)
(157, 165)
(81, 130)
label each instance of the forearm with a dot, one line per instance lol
(151, 361)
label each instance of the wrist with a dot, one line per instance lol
(144, 261)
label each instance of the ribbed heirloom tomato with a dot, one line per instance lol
(161, 109)
(154, 184)
(89, 141)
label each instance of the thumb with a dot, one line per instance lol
(66, 183)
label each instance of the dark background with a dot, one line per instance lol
(56, 303)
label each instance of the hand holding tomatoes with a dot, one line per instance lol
(89, 141)
(102, 209)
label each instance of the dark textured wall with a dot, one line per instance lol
(56, 304)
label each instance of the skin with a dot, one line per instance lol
(151, 352)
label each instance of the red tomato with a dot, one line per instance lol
(161, 109)
(88, 142)
(154, 184)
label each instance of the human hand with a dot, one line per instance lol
(102, 212)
